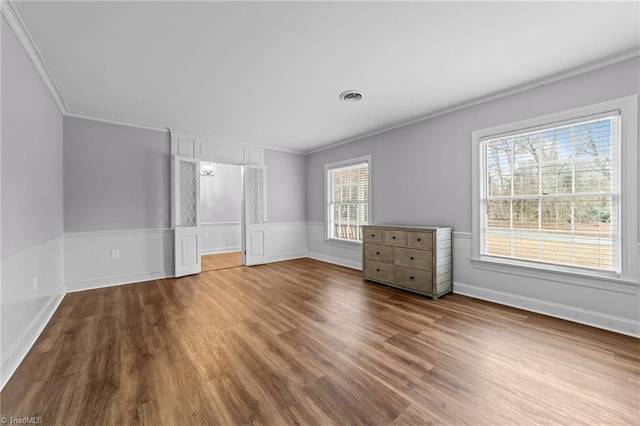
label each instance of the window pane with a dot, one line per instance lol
(348, 201)
(549, 195)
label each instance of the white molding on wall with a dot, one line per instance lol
(336, 260)
(145, 254)
(592, 66)
(117, 280)
(21, 347)
(219, 250)
(279, 224)
(465, 235)
(287, 256)
(87, 234)
(114, 121)
(582, 316)
(215, 224)
(17, 24)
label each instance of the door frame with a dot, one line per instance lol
(216, 150)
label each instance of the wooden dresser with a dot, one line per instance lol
(414, 258)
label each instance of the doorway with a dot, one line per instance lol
(220, 215)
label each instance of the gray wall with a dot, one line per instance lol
(421, 174)
(31, 188)
(221, 195)
(115, 177)
(31, 153)
(286, 186)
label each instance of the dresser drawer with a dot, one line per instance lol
(394, 237)
(413, 258)
(416, 279)
(420, 239)
(378, 252)
(378, 271)
(372, 235)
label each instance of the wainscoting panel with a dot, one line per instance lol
(344, 254)
(32, 289)
(287, 240)
(598, 307)
(142, 254)
(221, 237)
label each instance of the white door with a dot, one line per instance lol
(255, 215)
(186, 215)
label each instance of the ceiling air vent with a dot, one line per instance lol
(351, 96)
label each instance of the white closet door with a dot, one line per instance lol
(186, 213)
(255, 214)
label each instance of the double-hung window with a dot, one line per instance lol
(347, 198)
(549, 193)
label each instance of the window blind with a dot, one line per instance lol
(348, 200)
(551, 195)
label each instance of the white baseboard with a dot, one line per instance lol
(336, 260)
(118, 280)
(16, 354)
(287, 256)
(219, 250)
(569, 313)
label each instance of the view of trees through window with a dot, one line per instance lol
(348, 192)
(551, 195)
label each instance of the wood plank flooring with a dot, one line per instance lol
(214, 262)
(305, 342)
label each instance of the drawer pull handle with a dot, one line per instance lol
(411, 277)
(419, 239)
(412, 258)
(373, 235)
(377, 252)
(378, 270)
(393, 238)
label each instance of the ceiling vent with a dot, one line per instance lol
(351, 96)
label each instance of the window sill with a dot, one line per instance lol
(610, 283)
(352, 244)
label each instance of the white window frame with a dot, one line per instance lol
(627, 280)
(338, 164)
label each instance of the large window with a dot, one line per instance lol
(549, 193)
(347, 193)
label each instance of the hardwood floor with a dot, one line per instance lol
(305, 342)
(213, 262)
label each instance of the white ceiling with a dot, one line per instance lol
(270, 73)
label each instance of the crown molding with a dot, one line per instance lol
(114, 121)
(17, 24)
(591, 66)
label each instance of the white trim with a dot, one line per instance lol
(287, 256)
(581, 316)
(335, 260)
(628, 158)
(218, 140)
(32, 248)
(219, 250)
(23, 344)
(116, 232)
(560, 276)
(591, 66)
(117, 280)
(348, 244)
(114, 121)
(340, 164)
(214, 224)
(465, 235)
(279, 224)
(17, 24)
